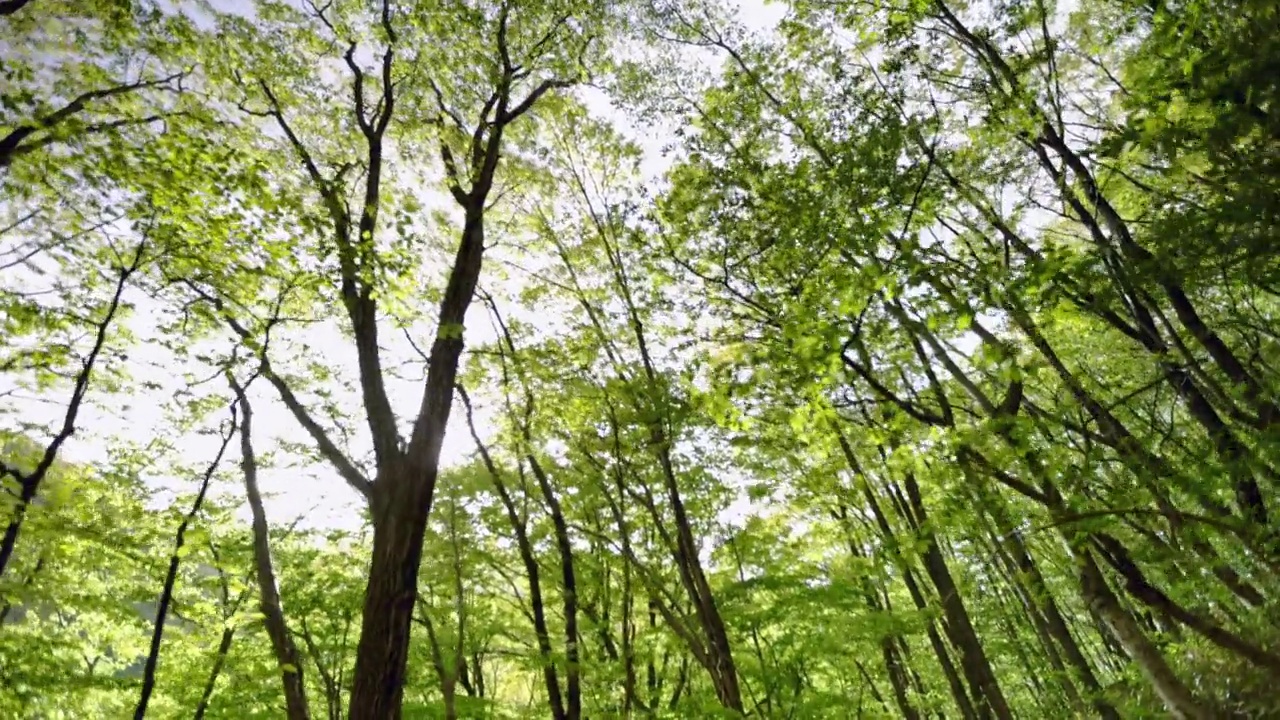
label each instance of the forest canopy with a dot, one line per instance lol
(381, 359)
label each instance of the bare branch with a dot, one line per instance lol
(9, 7)
(477, 137)
(313, 170)
(357, 89)
(319, 13)
(455, 178)
(448, 111)
(503, 51)
(387, 102)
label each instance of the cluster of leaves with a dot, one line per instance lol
(937, 376)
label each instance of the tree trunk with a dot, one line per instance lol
(573, 672)
(448, 691)
(1042, 599)
(974, 661)
(171, 575)
(533, 572)
(1137, 585)
(400, 521)
(956, 685)
(1179, 701)
(224, 646)
(401, 496)
(29, 483)
(889, 643)
(282, 644)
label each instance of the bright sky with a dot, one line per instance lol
(312, 489)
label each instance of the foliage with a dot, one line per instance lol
(935, 374)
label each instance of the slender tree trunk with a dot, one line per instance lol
(724, 673)
(573, 671)
(973, 658)
(532, 569)
(7, 606)
(1013, 577)
(1137, 585)
(720, 665)
(224, 643)
(954, 682)
(29, 483)
(889, 643)
(629, 698)
(477, 672)
(269, 601)
(1118, 623)
(869, 683)
(332, 686)
(564, 546)
(1177, 699)
(449, 694)
(219, 660)
(1039, 595)
(171, 575)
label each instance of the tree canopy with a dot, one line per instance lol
(650, 358)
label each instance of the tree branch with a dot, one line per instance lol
(9, 7)
(533, 97)
(330, 451)
(10, 143)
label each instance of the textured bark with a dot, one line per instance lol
(1137, 585)
(400, 518)
(402, 492)
(403, 487)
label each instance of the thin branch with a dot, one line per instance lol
(533, 97)
(30, 483)
(171, 576)
(330, 451)
(10, 143)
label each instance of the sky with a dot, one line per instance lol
(308, 489)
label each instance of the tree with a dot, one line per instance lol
(927, 368)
